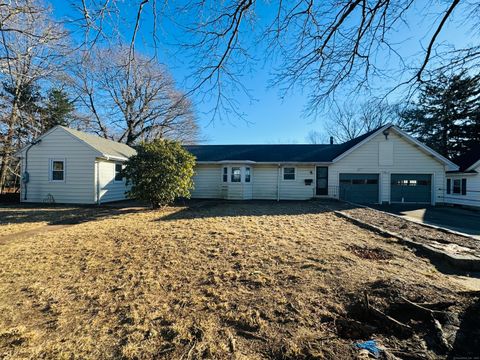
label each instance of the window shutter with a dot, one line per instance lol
(449, 187)
(464, 186)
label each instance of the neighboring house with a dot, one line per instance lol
(70, 166)
(382, 166)
(463, 185)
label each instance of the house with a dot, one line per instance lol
(382, 166)
(69, 166)
(463, 185)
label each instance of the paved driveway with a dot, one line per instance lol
(462, 220)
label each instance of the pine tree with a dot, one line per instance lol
(446, 116)
(58, 109)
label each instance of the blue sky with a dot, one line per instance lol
(267, 118)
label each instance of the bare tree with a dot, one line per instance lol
(349, 121)
(132, 98)
(31, 51)
(316, 137)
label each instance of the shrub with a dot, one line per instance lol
(160, 172)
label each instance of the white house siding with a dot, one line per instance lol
(207, 180)
(407, 159)
(78, 186)
(110, 190)
(472, 197)
(264, 182)
(268, 179)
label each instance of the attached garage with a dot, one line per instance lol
(411, 188)
(359, 188)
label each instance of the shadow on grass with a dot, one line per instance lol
(54, 215)
(199, 209)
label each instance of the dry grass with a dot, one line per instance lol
(242, 281)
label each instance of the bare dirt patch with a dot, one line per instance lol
(242, 281)
(370, 253)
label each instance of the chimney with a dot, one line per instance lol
(331, 140)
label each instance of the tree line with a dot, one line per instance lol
(48, 79)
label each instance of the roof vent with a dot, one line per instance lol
(331, 140)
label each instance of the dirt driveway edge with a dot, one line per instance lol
(467, 263)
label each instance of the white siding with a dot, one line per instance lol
(207, 180)
(110, 190)
(407, 159)
(267, 180)
(472, 198)
(78, 186)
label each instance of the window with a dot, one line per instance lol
(247, 174)
(118, 172)
(225, 174)
(57, 170)
(289, 173)
(457, 186)
(236, 174)
(460, 186)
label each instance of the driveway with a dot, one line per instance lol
(462, 220)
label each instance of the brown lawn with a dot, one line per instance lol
(225, 281)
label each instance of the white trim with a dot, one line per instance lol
(294, 173)
(278, 163)
(474, 166)
(51, 160)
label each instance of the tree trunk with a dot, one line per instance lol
(7, 148)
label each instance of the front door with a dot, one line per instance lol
(322, 180)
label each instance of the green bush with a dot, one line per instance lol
(160, 172)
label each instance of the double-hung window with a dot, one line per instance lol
(118, 172)
(459, 186)
(288, 173)
(236, 175)
(57, 170)
(225, 174)
(247, 174)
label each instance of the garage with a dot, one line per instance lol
(411, 188)
(359, 188)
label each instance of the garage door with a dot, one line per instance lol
(359, 188)
(412, 188)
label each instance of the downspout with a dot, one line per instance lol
(98, 181)
(278, 183)
(25, 177)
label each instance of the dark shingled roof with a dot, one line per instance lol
(468, 159)
(274, 153)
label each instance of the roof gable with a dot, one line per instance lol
(103, 147)
(108, 148)
(470, 160)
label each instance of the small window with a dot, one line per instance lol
(58, 170)
(236, 174)
(358, 181)
(460, 186)
(225, 174)
(457, 186)
(372, 181)
(247, 174)
(118, 172)
(289, 173)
